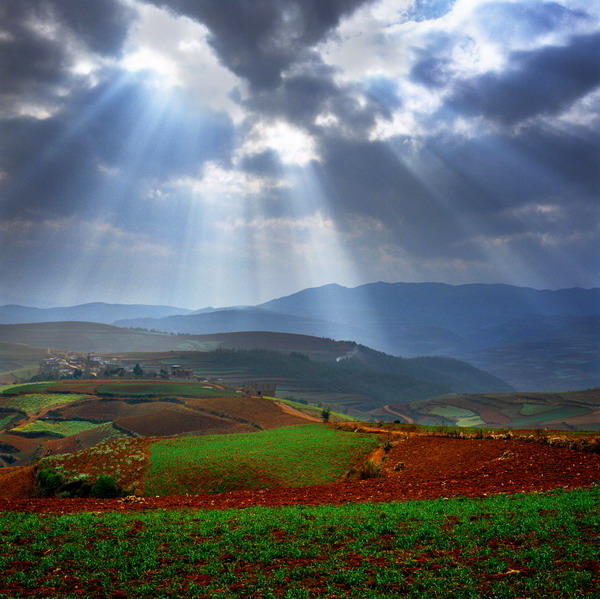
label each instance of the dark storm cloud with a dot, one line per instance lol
(540, 82)
(259, 39)
(312, 92)
(101, 25)
(32, 64)
(431, 200)
(55, 165)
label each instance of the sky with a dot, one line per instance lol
(222, 152)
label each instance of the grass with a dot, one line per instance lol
(535, 546)
(28, 388)
(530, 409)
(4, 421)
(461, 416)
(34, 402)
(287, 456)
(151, 388)
(62, 428)
(561, 412)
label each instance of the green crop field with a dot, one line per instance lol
(28, 388)
(534, 546)
(461, 416)
(34, 402)
(556, 414)
(530, 409)
(142, 388)
(62, 428)
(296, 455)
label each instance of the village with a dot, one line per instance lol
(70, 365)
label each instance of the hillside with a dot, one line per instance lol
(499, 328)
(576, 410)
(362, 379)
(64, 416)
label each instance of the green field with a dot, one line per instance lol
(535, 546)
(530, 409)
(28, 388)
(461, 416)
(34, 402)
(287, 456)
(143, 388)
(560, 412)
(62, 428)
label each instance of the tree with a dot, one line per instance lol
(137, 371)
(325, 414)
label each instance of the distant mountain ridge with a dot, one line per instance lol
(537, 340)
(499, 328)
(92, 312)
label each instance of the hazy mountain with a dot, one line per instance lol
(499, 328)
(94, 312)
(536, 340)
(231, 320)
(334, 363)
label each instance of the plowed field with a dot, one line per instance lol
(417, 467)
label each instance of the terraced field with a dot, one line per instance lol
(90, 412)
(575, 410)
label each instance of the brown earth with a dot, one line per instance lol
(110, 409)
(176, 420)
(257, 410)
(417, 467)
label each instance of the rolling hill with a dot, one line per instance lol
(92, 312)
(499, 328)
(575, 410)
(339, 373)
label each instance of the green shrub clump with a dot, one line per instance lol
(105, 487)
(49, 481)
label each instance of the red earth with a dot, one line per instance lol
(416, 467)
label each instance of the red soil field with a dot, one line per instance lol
(257, 410)
(417, 467)
(176, 420)
(102, 409)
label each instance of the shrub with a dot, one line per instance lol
(369, 469)
(49, 482)
(105, 487)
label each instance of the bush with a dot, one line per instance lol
(105, 487)
(369, 469)
(49, 482)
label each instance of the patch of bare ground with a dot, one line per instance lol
(17, 482)
(257, 410)
(290, 411)
(416, 467)
(181, 420)
(111, 409)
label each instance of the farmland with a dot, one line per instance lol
(534, 546)
(574, 410)
(283, 457)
